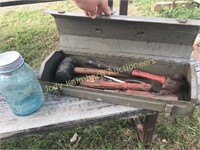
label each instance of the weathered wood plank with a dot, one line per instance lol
(65, 113)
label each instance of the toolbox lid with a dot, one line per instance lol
(140, 37)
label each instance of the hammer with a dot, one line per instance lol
(67, 69)
(169, 85)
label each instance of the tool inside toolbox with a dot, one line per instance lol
(75, 70)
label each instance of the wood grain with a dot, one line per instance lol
(66, 113)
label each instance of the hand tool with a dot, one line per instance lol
(145, 94)
(125, 81)
(172, 84)
(101, 72)
(67, 70)
(99, 84)
(114, 79)
(133, 81)
(118, 84)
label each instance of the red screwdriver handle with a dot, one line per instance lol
(138, 73)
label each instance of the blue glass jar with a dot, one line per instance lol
(18, 84)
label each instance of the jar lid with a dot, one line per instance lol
(10, 61)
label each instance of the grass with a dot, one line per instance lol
(29, 38)
(190, 12)
(31, 32)
(193, 12)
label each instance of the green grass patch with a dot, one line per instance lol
(189, 12)
(27, 33)
(30, 32)
(184, 133)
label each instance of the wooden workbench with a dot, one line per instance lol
(66, 113)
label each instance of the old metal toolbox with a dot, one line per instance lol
(165, 44)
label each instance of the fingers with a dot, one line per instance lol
(93, 14)
(99, 10)
(86, 13)
(106, 10)
(93, 7)
(89, 14)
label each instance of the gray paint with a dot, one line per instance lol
(116, 47)
(138, 36)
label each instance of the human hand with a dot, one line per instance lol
(93, 7)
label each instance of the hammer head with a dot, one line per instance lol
(173, 85)
(65, 70)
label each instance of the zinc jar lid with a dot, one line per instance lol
(10, 61)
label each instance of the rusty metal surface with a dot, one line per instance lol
(149, 127)
(139, 127)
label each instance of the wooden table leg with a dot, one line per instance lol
(145, 131)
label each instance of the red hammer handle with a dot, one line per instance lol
(116, 86)
(160, 79)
